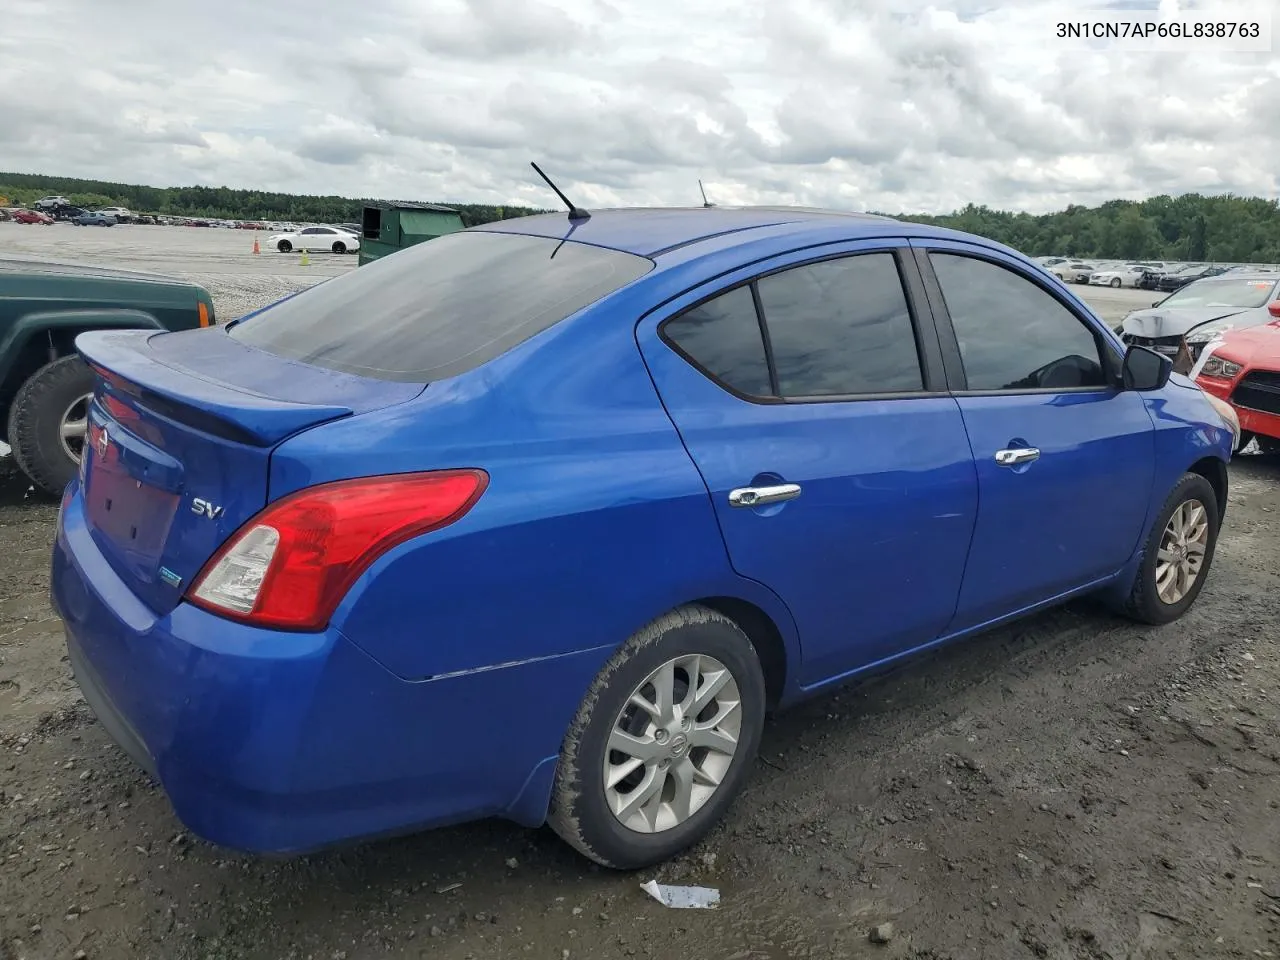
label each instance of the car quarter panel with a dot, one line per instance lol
(279, 743)
(592, 503)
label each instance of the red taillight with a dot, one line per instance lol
(289, 566)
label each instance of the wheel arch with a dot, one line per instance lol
(1215, 471)
(39, 338)
(765, 637)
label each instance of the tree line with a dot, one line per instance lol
(219, 203)
(1188, 227)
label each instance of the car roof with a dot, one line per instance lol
(11, 264)
(1250, 275)
(654, 231)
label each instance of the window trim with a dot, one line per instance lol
(932, 365)
(957, 379)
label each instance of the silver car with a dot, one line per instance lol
(1182, 323)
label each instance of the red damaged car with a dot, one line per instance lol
(1242, 367)
(32, 216)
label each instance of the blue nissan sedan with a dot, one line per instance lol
(539, 519)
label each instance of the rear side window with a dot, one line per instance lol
(841, 327)
(722, 336)
(439, 308)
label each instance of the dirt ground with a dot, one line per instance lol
(1074, 787)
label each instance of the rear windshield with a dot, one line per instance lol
(439, 308)
(1222, 293)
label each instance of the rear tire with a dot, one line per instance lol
(284, 246)
(726, 708)
(1154, 597)
(339, 247)
(36, 422)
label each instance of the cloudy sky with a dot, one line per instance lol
(894, 105)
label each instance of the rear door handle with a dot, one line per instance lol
(1017, 455)
(759, 496)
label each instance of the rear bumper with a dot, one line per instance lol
(284, 743)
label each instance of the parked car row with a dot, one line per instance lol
(1160, 275)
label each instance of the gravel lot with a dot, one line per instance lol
(1072, 787)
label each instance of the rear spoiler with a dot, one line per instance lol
(125, 361)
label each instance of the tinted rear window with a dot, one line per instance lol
(440, 308)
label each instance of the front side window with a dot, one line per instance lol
(841, 327)
(1012, 334)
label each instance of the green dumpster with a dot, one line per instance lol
(388, 227)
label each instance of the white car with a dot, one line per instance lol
(1072, 271)
(316, 238)
(1127, 275)
(121, 214)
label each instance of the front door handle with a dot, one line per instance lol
(760, 496)
(1017, 455)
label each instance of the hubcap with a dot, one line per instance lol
(672, 744)
(1182, 549)
(74, 426)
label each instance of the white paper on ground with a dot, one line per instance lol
(682, 898)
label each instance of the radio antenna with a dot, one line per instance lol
(705, 201)
(575, 213)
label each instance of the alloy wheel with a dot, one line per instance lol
(672, 744)
(1182, 551)
(74, 425)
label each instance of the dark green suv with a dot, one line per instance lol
(44, 386)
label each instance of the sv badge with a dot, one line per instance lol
(203, 508)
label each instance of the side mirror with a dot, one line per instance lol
(1144, 369)
(1273, 308)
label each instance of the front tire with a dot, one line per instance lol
(1177, 555)
(339, 247)
(663, 742)
(284, 246)
(1115, 282)
(47, 423)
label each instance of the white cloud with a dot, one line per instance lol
(867, 105)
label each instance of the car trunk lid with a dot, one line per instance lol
(181, 430)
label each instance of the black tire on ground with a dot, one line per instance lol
(284, 246)
(1144, 603)
(339, 247)
(35, 422)
(579, 810)
(1268, 445)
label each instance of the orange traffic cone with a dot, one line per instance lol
(255, 245)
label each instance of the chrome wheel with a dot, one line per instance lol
(1182, 551)
(672, 744)
(74, 425)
